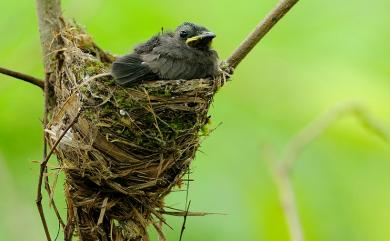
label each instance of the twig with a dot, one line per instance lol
(50, 192)
(158, 227)
(189, 214)
(58, 232)
(183, 227)
(45, 121)
(286, 195)
(259, 32)
(281, 169)
(41, 174)
(317, 127)
(288, 201)
(21, 76)
(92, 78)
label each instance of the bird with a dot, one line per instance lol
(183, 54)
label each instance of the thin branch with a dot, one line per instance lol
(21, 76)
(183, 227)
(43, 170)
(288, 201)
(286, 196)
(45, 121)
(51, 201)
(158, 228)
(281, 169)
(189, 214)
(259, 32)
(317, 127)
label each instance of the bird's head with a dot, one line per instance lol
(195, 36)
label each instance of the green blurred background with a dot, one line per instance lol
(321, 53)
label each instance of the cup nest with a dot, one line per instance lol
(127, 146)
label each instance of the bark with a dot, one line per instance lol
(259, 32)
(49, 20)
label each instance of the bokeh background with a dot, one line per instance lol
(320, 54)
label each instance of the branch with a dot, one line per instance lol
(49, 15)
(281, 170)
(21, 76)
(259, 32)
(317, 127)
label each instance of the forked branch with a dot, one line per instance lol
(280, 167)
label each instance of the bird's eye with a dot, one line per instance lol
(183, 34)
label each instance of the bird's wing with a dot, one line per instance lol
(131, 68)
(148, 46)
(168, 65)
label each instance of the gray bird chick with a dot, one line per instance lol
(183, 54)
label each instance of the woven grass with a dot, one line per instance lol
(128, 147)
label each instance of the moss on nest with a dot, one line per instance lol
(129, 146)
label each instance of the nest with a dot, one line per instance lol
(126, 147)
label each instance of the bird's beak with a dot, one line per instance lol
(201, 40)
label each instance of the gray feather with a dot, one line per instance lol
(166, 56)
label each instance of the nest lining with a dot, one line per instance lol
(129, 146)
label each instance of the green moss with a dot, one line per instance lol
(177, 125)
(166, 92)
(94, 67)
(204, 131)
